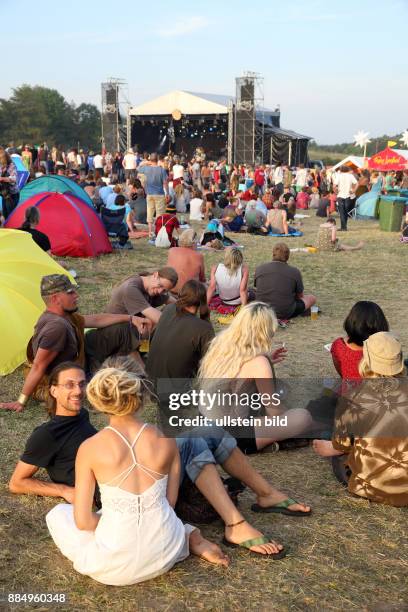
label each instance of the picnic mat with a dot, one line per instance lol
(138, 234)
(291, 235)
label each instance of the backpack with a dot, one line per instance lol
(162, 238)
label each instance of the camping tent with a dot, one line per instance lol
(56, 183)
(22, 264)
(389, 159)
(352, 161)
(73, 227)
(367, 204)
(22, 172)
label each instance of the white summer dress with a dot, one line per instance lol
(138, 536)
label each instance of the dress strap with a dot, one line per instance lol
(123, 475)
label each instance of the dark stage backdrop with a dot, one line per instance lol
(156, 138)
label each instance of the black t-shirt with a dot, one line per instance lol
(278, 284)
(39, 238)
(54, 445)
(178, 344)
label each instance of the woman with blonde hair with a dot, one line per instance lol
(369, 446)
(229, 282)
(243, 354)
(137, 536)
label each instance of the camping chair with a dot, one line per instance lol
(115, 223)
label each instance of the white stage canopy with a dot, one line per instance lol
(187, 102)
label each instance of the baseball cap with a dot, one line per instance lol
(56, 283)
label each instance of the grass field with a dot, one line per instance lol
(349, 555)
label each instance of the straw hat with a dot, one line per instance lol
(383, 354)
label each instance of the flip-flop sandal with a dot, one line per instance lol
(281, 508)
(256, 542)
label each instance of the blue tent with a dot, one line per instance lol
(55, 184)
(22, 172)
(367, 204)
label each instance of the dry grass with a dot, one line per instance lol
(349, 555)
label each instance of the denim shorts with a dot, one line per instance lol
(197, 451)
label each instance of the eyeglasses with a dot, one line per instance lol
(70, 385)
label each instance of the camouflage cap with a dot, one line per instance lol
(56, 283)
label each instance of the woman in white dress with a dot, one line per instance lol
(137, 535)
(229, 280)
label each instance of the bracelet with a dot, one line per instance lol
(23, 399)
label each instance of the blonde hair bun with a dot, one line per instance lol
(115, 391)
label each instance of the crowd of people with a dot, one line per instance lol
(122, 523)
(127, 189)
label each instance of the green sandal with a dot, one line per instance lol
(281, 508)
(254, 542)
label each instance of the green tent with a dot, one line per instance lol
(56, 184)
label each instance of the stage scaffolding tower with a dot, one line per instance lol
(115, 105)
(249, 119)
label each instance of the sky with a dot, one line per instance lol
(333, 67)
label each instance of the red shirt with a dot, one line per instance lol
(346, 359)
(302, 200)
(171, 223)
(247, 196)
(259, 177)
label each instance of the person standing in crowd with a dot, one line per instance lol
(129, 166)
(27, 157)
(9, 190)
(98, 164)
(345, 184)
(281, 286)
(301, 177)
(260, 180)
(156, 187)
(278, 178)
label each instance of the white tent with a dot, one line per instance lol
(351, 160)
(187, 102)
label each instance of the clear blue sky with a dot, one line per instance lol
(335, 67)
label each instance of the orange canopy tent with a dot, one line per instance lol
(389, 159)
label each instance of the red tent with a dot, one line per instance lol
(72, 226)
(389, 159)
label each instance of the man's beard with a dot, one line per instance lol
(70, 310)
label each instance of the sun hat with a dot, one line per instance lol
(383, 354)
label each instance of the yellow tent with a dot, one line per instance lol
(22, 264)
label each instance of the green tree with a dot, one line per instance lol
(39, 114)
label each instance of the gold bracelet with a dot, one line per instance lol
(23, 399)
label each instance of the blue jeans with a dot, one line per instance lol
(196, 452)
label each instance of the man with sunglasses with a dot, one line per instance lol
(59, 336)
(53, 445)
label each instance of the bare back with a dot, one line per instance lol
(113, 462)
(188, 264)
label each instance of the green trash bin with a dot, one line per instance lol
(391, 212)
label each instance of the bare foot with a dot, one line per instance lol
(206, 550)
(245, 531)
(275, 496)
(324, 448)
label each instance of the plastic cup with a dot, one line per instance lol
(314, 313)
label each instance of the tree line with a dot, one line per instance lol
(35, 114)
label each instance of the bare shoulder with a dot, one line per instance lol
(257, 367)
